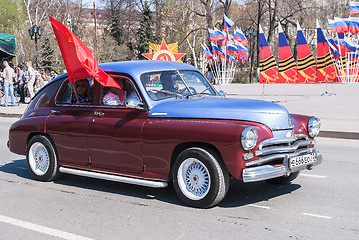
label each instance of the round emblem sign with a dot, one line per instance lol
(164, 55)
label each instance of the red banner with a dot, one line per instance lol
(80, 62)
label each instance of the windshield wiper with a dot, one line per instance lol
(193, 95)
(169, 92)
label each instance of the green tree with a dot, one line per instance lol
(116, 31)
(10, 16)
(47, 59)
(144, 33)
(109, 51)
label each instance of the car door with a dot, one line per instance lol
(68, 127)
(114, 139)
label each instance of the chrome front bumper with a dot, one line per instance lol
(254, 174)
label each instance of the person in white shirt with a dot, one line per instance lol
(30, 77)
(113, 97)
(8, 75)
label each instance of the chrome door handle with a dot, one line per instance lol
(53, 111)
(99, 114)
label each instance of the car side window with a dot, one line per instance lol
(66, 95)
(115, 97)
(83, 95)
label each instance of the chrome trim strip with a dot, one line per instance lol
(282, 149)
(273, 141)
(159, 114)
(279, 156)
(115, 178)
(290, 127)
(264, 172)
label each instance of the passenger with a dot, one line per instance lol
(83, 92)
(114, 96)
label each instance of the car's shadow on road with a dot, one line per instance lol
(239, 193)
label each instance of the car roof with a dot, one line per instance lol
(137, 68)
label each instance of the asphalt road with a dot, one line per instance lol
(320, 204)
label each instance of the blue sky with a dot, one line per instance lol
(89, 3)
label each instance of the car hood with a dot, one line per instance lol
(273, 115)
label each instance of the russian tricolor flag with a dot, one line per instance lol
(228, 23)
(217, 51)
(242, 51)
(230, 58)
(231, 48)
(219, 35)
(354, 25)
(353, 8)
(240, 37)
(350, 45)
(207, 52)
(212, 35)
(332, 43)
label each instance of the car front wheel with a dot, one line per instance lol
(200, 178)
(42, 159)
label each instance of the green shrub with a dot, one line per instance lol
(241, 76)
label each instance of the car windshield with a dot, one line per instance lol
(172, 84)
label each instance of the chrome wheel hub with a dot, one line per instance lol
(193, 179)
(39, 159)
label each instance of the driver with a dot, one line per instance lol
(168, 84)
(168, 87)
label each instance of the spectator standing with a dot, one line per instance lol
(8, 75)
(53, 75)
(30, 76)
(39, 82)
(210, 72)
(20, 81)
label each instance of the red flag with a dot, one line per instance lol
(80, 62)
(325, 64)
(286, 63)
(268, 67)
(307, 69)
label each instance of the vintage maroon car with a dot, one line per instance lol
(172, 125)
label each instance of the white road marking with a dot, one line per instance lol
(41, 229)
(258, 206)
(315, 215)
(23, 168)
(313, 176)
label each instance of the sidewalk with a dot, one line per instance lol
(336, 104)
(338, 109)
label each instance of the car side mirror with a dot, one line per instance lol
(134, 103)
(222, 93)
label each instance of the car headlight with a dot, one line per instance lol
(249, 138)
(313, 127)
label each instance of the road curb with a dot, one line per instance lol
(337, 134)
(11, 115)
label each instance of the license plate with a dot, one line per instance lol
(302, 160)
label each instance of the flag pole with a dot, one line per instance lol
(75, 91)
(94, 16)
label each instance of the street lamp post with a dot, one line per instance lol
(251, 33)
(35, 33)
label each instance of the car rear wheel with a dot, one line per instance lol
(42, 159)
(199, 178)
(283, 179)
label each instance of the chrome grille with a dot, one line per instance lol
(278, 148)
